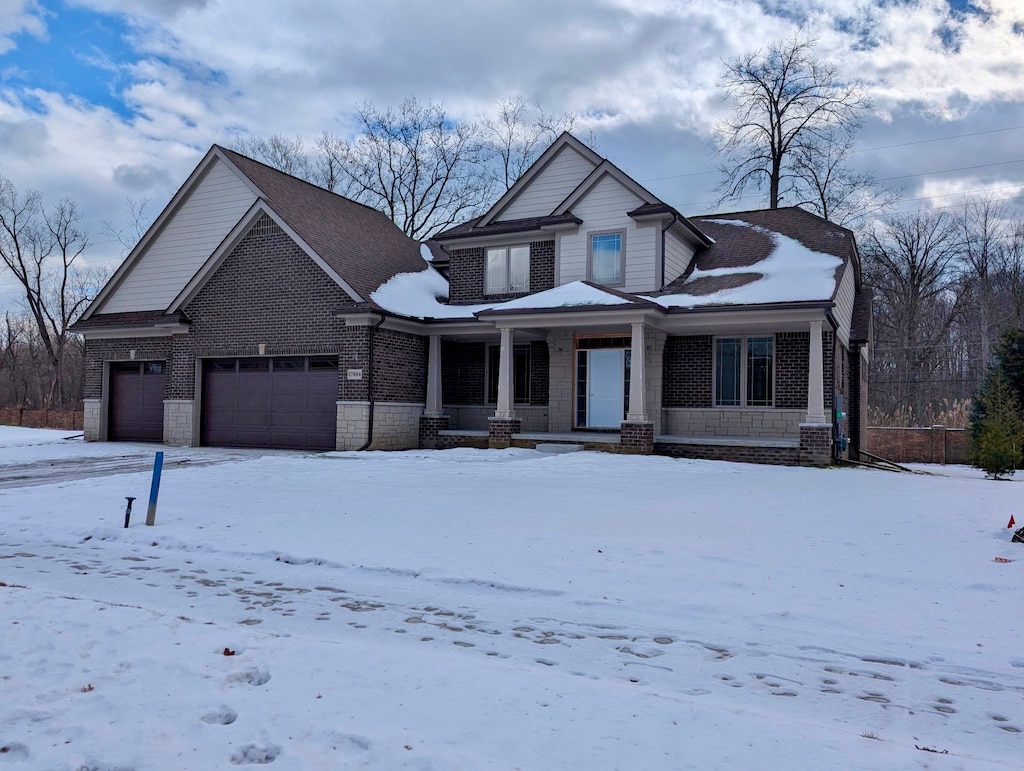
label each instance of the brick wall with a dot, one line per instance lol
(687, 371)
(267, 291)
(399, 365)
(68, 420)
(935, 444)
(462, 372)
(120, 349)
(791, 363)
(466, 273)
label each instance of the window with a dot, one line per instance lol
(507, 270)
(744, 371)
(520, 373)
(606, 264)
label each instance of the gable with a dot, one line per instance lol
(266, 290)
(549, 186)
(184, 243)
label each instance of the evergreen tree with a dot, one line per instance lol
(1008, 359)
(999, 435)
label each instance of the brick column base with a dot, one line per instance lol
(815, 444)
(637, 437)
(429, 426)
(500, 430)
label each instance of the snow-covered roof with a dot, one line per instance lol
(790, 272)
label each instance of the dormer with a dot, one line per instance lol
(572, 216)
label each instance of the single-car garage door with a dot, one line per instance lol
(137, 401)
(286, 402)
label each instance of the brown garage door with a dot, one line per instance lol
(286, 402)
(137, 401)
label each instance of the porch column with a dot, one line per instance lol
(505, 410)
(637, 375)
(433, 409)
(815, 378)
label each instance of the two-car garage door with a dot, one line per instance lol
(288, 402)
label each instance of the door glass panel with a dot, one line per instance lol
(253, 365)
(289, 364)
(727, 371)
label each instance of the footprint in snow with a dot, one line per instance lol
(13, 752)
(221, 716)
(252, 676)
(255, 754)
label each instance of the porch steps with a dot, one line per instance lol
(558, 448)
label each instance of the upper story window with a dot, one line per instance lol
(744, 371)
(606, 257)
(507, 270)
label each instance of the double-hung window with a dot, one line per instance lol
(507, 270)
(606, 263)
(744, 371)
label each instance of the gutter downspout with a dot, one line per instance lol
(369, 385)
(664, 230)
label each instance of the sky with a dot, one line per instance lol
(106, 100)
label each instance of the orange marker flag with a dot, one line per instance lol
(1011, 523)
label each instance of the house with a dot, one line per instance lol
(262, 311)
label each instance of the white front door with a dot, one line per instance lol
(605, 388)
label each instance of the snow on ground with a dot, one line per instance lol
(503, 609)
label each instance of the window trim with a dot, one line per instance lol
(744, 349)
(507, 288)
(621, 232)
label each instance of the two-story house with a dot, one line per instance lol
(579, 308)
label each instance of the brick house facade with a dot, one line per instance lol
(632, 328)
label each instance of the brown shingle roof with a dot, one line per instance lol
(468, 229)
(129, 319)
(737, 246)
(361, 244)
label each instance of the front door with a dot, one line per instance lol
(605, 388)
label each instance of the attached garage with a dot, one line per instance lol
(285, 402)
(137, 401)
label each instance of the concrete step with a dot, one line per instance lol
(558, 448)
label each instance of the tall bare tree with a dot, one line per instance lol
(41, 248)
(788, 105)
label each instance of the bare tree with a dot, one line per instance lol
(831, 189)
(911, 261)
(138, 223)
(40, 248)
(283, 153)
(788, 103)
(517, 134)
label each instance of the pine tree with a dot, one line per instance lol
(999, 436)
(1008, 358)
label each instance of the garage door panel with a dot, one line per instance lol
(270, 402)
(136, 404)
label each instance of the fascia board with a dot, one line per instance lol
(565, 140)
(708, 321)
(114, 333)
(579, 318)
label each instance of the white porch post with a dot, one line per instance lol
(815, 378)
(433, 407)
(505, 410)
(637, 375)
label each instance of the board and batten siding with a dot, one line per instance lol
(677, 256)
(844, 305)
(550, 187)
(602, 209)
(194, 231)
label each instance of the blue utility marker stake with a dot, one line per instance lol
(154, 490)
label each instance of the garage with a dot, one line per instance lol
(137, 401)
(285, 402)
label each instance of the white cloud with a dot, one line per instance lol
(19, 17)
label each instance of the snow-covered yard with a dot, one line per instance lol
(502, 610)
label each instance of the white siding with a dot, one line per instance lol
(184, 244)
(844, 305)
(604, 208)
(550, 187)
(677, 256)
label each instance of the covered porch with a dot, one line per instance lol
(595, 379)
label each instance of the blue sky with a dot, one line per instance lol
(101, 100)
